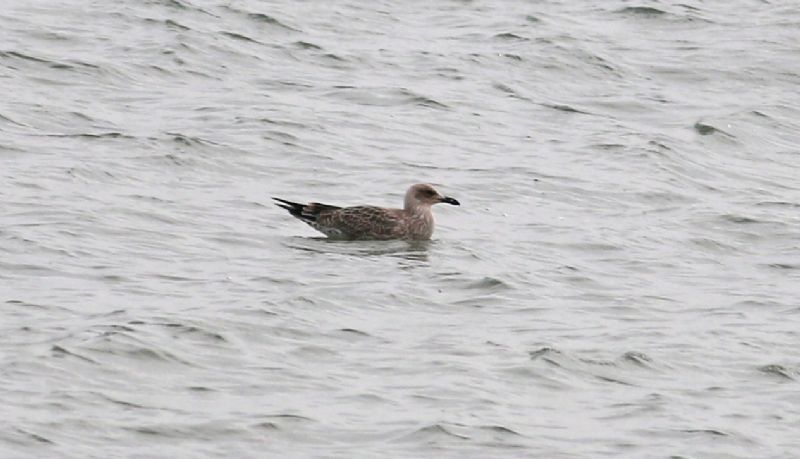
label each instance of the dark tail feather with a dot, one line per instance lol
(293, 207)
(305, 212)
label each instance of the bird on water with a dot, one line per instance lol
(370, 223)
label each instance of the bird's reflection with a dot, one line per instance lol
(414, 251)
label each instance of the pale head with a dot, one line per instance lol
(423, 196)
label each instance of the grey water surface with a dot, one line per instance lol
(621, 280)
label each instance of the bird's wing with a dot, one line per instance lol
(308, 213)
(361, 222)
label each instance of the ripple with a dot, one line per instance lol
(779, 204)
(12, 121)
(172, 24)
(712, 432)
(637, 358)
(707, 129)
(189, 140)
(267, 19)
(432, 433)
(100, 135)
(26, 57)
(739, 219)
(783, 266)
(172, 4)
(508, 36)
(61, 352)
(307, 45)
(644, 11)
(122, 341)
(778, 370)
(501, 430)
(195, 331)
(565, 108)
(575, 367)
(186, 430)
(34, 436)
(489, 283)
(239, 36)
(543, 353)
(353, 331)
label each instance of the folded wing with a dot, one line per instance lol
(308, 213)
(361, 222)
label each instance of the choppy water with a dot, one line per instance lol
(621, 280)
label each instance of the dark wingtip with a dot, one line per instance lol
(293, 207)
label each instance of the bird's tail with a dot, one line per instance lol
(294, 208)
(306, 212)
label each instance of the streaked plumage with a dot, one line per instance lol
(414, 221)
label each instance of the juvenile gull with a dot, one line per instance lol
(413, 222)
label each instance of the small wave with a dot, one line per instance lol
(432, 433)
(565, 108)
(428, 102)
(387, 98)
(488, 283)
(784, 266)
(543, 352)
(193, 330)
(508, 36)
(740, 219)
(707, 129)
(240, 37)
(176, 25)
(353, 331)
(714, 432)
(125, 341)
(501, 429)
(189, 140)
(172, 4)
(119, 402)
(186, 430)
(61, 352)
(88, 135)
(34, 436)
(284, 418)
(609, 371)
(283, 137)
(266, 425)
(307, 45)
(510, 91)
(24, 57)
(637, 358)
(779, 204)
(266, 19)
(334, 57)
(712, 244)
(645, 11)
(6, 118)
(200, 389)
(778, 370)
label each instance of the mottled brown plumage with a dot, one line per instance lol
(414, 221)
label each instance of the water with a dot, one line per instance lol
(621, 279)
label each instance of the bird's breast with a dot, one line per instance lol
(421, 226)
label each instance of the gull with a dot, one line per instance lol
(369, 223)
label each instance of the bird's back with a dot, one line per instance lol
(362, 223)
